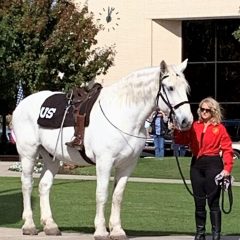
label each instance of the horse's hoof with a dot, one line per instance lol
(52, 232)
(30, 231)
(101, 238)
(119, 237)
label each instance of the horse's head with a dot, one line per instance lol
(173, 94)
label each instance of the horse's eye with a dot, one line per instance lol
(177, 75)
(170, 88)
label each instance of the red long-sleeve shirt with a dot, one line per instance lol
(211, 143)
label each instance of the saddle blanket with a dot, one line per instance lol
(52, 112)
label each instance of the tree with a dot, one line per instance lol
(40, 39)
(236, 34)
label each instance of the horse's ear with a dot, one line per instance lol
(181, 67)
(163, 67)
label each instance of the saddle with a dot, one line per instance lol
(83, 100)
(53, 108)
(78, 114)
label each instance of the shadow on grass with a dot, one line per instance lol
(11, 204)
(11, 208)
(171, 233)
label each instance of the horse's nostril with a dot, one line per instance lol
(185, 123)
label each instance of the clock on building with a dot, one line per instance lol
(109, 18)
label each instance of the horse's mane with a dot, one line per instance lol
(138, 85)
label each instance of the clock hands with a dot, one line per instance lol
(109, 17)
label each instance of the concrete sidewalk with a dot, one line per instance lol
(16, 234)
(4, 172)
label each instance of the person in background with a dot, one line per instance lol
(10, 133)
(179, 150)
(147, 126)
(206, 139)
(158, 129)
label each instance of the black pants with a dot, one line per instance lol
(202, 174)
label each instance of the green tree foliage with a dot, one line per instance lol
(40, 39)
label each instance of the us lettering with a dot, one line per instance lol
(46, 112)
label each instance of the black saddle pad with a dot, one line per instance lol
(52, 112)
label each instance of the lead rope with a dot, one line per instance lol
(230, 195)
(61, 128)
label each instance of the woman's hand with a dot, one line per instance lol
(171, 126)
(225, 173)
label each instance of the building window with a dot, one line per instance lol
(213, 62)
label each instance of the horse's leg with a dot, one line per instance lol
(103, 172)
(28, 227)
(121, 177)
(50, 169)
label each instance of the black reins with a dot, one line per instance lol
(116, 126)
(229, 190)
(159, 94)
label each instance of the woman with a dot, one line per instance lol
(208, 139)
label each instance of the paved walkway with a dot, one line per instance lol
(16, 234)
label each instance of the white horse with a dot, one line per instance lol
(114, 138)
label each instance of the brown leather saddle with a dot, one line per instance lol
(83, 100)
(80, 102)
(54, 107)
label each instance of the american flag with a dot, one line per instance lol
(20, 95)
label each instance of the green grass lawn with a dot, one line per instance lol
(153, 168)
(148, 208)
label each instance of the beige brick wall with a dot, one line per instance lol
(150, 30)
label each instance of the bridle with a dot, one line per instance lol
(166, 99)
(159, 94)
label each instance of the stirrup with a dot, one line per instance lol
(75, 144)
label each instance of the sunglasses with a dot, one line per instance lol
(207, 110)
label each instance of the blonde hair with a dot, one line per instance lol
(214, 106)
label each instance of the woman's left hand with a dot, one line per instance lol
(225, 173)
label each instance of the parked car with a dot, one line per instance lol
(168, 147)
(9, 147)
(149, 148)
(236, 150)
(8, 134)
(232, 126)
